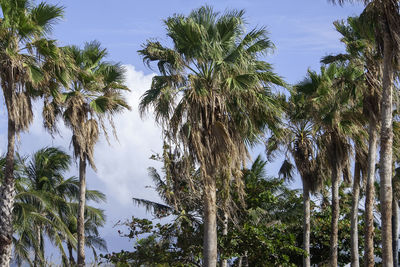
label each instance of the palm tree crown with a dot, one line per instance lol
(212, 95)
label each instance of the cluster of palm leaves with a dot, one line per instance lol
(76, 86)
(213, 99)
(46, 206)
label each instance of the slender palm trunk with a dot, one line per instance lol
(395, 232)
(38, 254)
(81, 212)
(306, 225)
(7, 193)
(224, 262)
(369, 260)
(335, 214)
(71, 255)
(210, 225)
(386, 153)
(246, 259)
(240, 261)
(355, 262)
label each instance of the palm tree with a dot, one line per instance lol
(44, 177)
(336, 115)
(47, 204)
(24, 28)
(92, 98)
(385, 14)
(211, 97)
(298, 140)
(38, 190)
(94, 218)
(358, 36)
(180, 194)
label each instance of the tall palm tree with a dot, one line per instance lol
(385, 14)
(211, 97)
(24, 28)
(358, 36)
(336, 115)
(298, 141)
(92, 98)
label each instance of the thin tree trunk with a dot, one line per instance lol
(395, 232)
(355, 261)
(210, 224)
(7, 196)
(81, 212)
(38, 258)
(71, 255)
(369, 259)
(246, 259)
(224, 262)
(306, 225)
(335, 215)
(240, 261)
(386, 152)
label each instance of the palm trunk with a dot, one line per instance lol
(355, 261)
(369, 260)
(7, 195)
(335, 215)
(386, 153)
(240, 261)
(224, 262)
(71, 255)
(38, 254)
(306, 225)
(81, 212)
(210, 224)
(246, 259)
(395, 232)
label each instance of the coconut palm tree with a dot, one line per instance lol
(385, 15)
(92, 98)
(44, 176)
(24, 28)
(38, 189)
(211, 96)
(336, 115)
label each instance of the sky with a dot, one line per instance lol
(301, 30)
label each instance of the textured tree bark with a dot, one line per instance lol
(38, 254)
(369, 260)
(386, 152)
(306, 225)
(355, 261)
(210, 225)
(395, 232)
(81, 212)
(335, 214)
(224, 262)
(7, 195)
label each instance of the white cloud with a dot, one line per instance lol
(123, 166)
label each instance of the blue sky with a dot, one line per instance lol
(302, 32)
